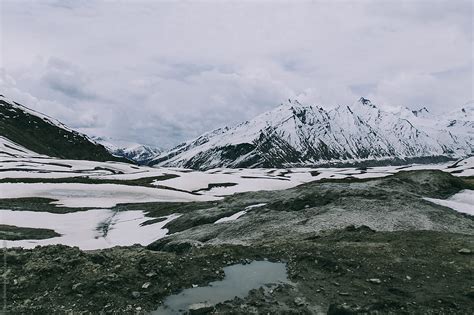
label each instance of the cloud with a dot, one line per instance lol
(162, 72)
(63, 77)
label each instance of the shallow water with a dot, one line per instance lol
(238, 281)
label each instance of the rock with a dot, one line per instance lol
(146, 285)
(408, 278)
(375, 281)
(200, 308)
(342, 309)
(465, 251)
(75, 286)
(136, 294)
(300, 301)
(151, 274)
(21, 279)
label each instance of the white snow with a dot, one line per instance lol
(9, 149)
(258, 205)
(461, 202)
(81, 228)
(237, 215)
(95, 195)
(233, 217)
(189, 180)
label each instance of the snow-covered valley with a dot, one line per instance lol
(95, 188)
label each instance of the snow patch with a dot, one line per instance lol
(237, 215)
(83, 228)
(462, 202)
(233, 217)
(95, 195)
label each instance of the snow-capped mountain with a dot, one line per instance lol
(136, 152)
(36, 133)
(297, 134)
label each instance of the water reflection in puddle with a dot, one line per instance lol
(238, 281)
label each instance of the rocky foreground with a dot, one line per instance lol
(351, 247)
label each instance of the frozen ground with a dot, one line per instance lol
(26, 174)
(92, 229)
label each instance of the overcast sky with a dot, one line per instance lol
(160, 72)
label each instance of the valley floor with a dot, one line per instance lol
(386, 240)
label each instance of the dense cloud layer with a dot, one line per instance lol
(162, 72)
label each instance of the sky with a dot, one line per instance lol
(162, 72)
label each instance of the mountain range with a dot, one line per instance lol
(294, 134)
(139, 153)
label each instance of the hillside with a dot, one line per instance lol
(44, 135)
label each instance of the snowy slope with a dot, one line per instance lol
(136, 152)
(297, 134)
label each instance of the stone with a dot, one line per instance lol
(465, 251)
(300, 301)
(375, 281)
(75, 286)
(200, 308)
(136, 294)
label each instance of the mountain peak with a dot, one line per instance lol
(420, 112)
(293, 103)
(366, 101)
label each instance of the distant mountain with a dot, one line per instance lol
(136, 152)
(45, 135)
(296, 134)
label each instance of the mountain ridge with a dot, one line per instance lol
(298, 134)
(139, 153)
(45, 135)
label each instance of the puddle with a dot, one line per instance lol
(238, 281)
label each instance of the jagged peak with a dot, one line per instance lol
(366, 102)
(294, 103)
(418, 112)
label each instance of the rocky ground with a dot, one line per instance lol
(351, 246)
(350, 270)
